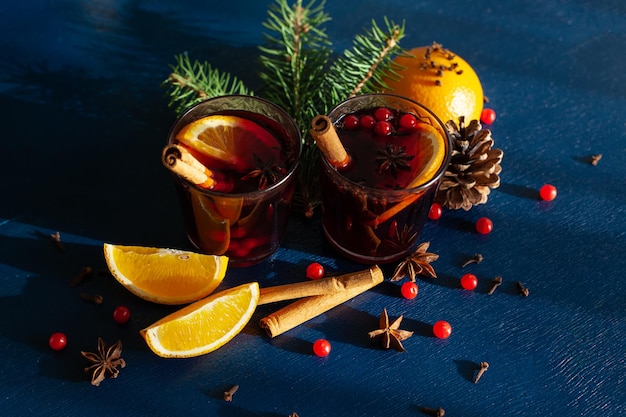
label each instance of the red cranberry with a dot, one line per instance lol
(351, 122)
(488, 116)
(383, 128)
(408, 121)
(367, 121)
(383, 114)
(435, 211)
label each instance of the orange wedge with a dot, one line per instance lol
(205, 325)
(431, 151)
(229, 139)
(165, 276)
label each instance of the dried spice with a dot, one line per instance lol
(392, 159)
(266, 172)
(228, 395)
(104, 362)
(594, 159)
(85, 273)
(483, 367)
(392, 335)
(56, 238)
(476, 259)
(497, 281)
(416, 264)
(436, 412)
(474, 167)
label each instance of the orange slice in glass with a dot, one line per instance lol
(430, 154)
(228, 139)
(205, 325)
(165, 276)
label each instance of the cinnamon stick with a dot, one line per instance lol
(323, 286)
(307, 308)
(324, 134)
(181, 162)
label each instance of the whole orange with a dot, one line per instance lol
(440, 80)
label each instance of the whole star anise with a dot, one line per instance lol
(392, 335)
(268, 173)
(416, 264)
(104, 363)
(392, 159)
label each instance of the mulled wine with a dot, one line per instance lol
(375, 205)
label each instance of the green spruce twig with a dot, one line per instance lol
(295, 58)
(191, 82)
(362, 68)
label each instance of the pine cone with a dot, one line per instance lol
(473, 169)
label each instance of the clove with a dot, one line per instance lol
(483, 367)
(228, 395)
(594, 159)
(476, 259)
(84, 274)
(437, 412)
(96, 299)
(497, 281)
(523, 290)
(56, 238)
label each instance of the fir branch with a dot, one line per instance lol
(192, 82)
(295, 58)
(362, 68)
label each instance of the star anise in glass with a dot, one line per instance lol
(104, 363)
(268, 173)
(392, 159)
(416, 264)
(402, 237)
(392, 335)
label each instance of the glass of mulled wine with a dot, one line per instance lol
(374, 207)
(246, 150)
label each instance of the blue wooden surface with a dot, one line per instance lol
(83, 121)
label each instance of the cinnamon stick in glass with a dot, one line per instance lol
(307, 308)
(325, 135)
(181, 162)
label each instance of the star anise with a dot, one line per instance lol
(104, 363)
(417, 263)
(392, 159)
(392, 335)
(402, 237)
(268, 173)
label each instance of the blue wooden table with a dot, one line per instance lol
(84, 118)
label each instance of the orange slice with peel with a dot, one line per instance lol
(165, 276)
(431, 152)
(205, 325)
(228, 139)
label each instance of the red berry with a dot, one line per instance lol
(57, 341)
(408, 121)
(383, 113)
(547, 192)
(435, 211)
(367, 121)
(442, 329)
(321, 347)
(488, 116)
(121, 314)
(409, 290)
(469, 282)
(484, 226)
(383, 128)
(314, 271)
(351, 122)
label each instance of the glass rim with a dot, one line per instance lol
(251, 194)
(392, 192)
